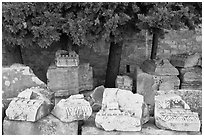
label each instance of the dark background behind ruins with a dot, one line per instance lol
(175, 42)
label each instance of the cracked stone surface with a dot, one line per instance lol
(121, 110)
(171, 112)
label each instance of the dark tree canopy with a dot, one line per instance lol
(85, 23)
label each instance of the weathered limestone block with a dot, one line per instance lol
(97, 97)
(121, 110)
(192, 60)
(167, 82)
(124, 82)
(48, 125)
(64, 81)
(89, 128)
(27, 110)
(120, 121)
(72, 109)
(64, 58)
(171, 112)
(192, 97)
(145, 87)
(30, 105)
(15, 79)
(85, 77)
(164, 67)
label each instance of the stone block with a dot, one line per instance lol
(48, 125)
(171, 112)
(124, 82)
(17, 78)
(64, 58)
(72, 109)
(178, 60)
(121, 110)
(89, 128)
(85, 77)
(64, 81)
(164, 67)
(192, 60)
(145, 87)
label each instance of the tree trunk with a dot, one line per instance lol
(64, 41)
(13, 55)
(113, 64)
(155, 40)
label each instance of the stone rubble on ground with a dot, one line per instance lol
(121, 110)
(171, 112)
(124, 82)
(30, 105)
(72, 109)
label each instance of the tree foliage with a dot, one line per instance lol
(26, 23)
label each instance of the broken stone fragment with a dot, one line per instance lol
(171, 112)
(97, 96)
(120, 121)
(124, 82)
(17, 78)
(27, 110)
(73, 108)
(121, 110)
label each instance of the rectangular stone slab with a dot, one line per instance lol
(49, 125)
(89, 128)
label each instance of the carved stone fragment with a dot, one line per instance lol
(121, 110)
(72, 109)
(171, 112)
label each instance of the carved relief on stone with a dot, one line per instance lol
(73, 108)
(121, 110)
(31, 105)
(171, 112)
(66, 59)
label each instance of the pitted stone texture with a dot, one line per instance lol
(17, 78)
(72, 109)
(31, 105)
(121, 110)
(64, 81)
(192, 97)
(164, 67)
(178, 60)
(171, 112)
(97, 96)
(85, 77)
(192, 60)
(146, 86)
(124, 82)
(48, 125)
(167, 82)
(89, 128)
(120, 121)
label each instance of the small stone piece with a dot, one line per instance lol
(124, 82)
(192, 60)
(164, 67)
(171, 112)
(72, 109)
(148, 66)
(97, 96)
